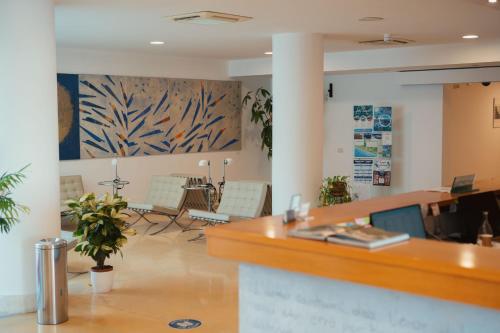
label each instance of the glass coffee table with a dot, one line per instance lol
(117, 184)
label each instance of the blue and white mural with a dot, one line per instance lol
(134, 116)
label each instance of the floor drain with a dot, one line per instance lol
(184, 324)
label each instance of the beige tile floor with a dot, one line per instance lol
(161, 278)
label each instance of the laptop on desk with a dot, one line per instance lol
(463, 184)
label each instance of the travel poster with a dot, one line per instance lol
(363, 116)
(382, 119)
(382, 164)
(385, 151)
(365, 144)
(382, 172)
(387, 138)
(363, 170)
(382, 178)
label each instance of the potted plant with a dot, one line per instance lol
(9, 209)
(335, 190)
(262, 111)
(101, 231)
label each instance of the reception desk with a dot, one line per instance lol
(419, 285)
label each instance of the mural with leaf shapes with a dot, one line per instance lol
(134, 116)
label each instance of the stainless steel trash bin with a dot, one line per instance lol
(51, 281)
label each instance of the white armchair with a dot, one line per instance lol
(71, 187)
(240, 200)
(166, 197)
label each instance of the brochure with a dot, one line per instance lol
(351, 234)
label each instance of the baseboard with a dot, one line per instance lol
(16, 304)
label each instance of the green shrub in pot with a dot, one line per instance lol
(101, 231)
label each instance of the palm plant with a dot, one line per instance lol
(9, 209)
(101, 226)
(262, 111)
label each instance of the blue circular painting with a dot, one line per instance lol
(184, 324)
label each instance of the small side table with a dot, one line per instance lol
(207, 189)
(117, 184)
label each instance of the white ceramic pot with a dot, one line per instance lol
(101, 280)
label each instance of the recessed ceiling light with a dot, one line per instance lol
(371, 19)
(268, 53)
(156, 42)
(470, 36)
(492, 1)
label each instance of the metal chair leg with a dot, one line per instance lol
(141, 216)
(200, 236)
(147, 220)
(162, 229)
(205, 223)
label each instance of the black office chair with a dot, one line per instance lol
(404, 219)
(470, 211)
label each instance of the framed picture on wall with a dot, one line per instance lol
(496, 113)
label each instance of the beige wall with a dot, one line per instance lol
(470, 143)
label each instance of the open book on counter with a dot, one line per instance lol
(351, 234)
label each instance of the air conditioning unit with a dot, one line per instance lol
(208, 18)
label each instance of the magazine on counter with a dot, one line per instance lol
(364, 236)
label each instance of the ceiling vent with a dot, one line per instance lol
(387, 40)
(208, 18)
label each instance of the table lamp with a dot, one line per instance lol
(114, 163)
(227, 161)
(203, 163)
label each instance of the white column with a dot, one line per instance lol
(297, 118)
(28, 134)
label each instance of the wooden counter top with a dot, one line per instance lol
(463, 273)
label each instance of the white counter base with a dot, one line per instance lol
(283, 302)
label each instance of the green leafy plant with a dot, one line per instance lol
(9, 209)
(101, 226)
(335, 190)
(262, 112)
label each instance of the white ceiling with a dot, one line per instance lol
(130, 24)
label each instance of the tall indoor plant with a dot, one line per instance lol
(9, 209)
(335, 190)
(101, 231)
(262, 112)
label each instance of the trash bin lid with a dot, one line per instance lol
(50, 243)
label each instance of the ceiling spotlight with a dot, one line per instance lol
(156, 42)
(470, 36)
(268, 53)
(492, 1)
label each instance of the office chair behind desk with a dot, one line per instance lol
(470, 211)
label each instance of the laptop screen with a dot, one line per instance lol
(462, 183)
(405, 219)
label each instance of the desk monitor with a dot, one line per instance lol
(405, 219)
(463, 184)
